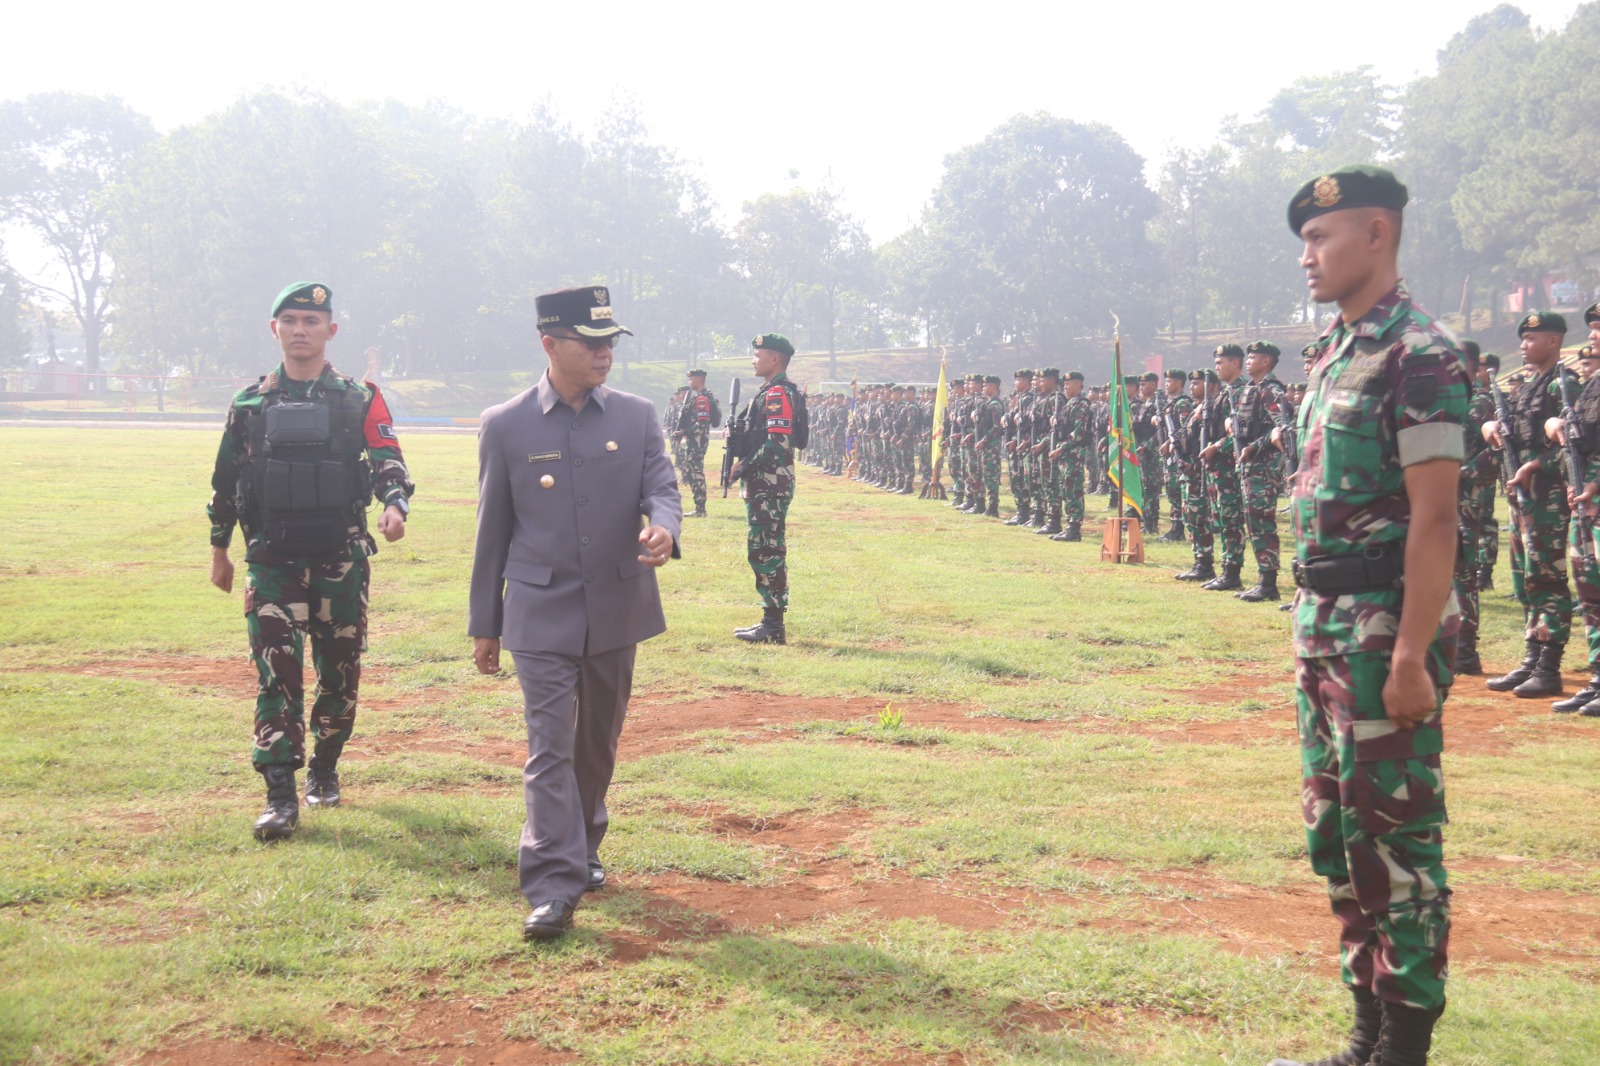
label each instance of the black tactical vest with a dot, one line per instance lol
(1587, 407)
(307, 482)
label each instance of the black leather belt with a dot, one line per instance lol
(1375, 568)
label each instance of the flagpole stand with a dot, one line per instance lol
(932, 490)
(1122, 541)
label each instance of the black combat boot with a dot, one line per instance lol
(1175, 535)
(1200, 571)
(1039, 518)
(1467, 661)
(1227, 581)
(322, 780)
(1406, 1037)
(1545, 680)
(277, 822)
(1517, 676)
(699, 509)
(1363, 1037)
(1583, 697)
(1485, 579)
(1266, 589)
(1151, 524)
(958, 499)
(994, 506)
(770, 631)
(1070, 531)
(1023, 517)
(1050, 528)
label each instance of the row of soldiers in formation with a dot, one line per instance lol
(1209, 441)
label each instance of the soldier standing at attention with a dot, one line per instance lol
(1047, 486)
(1222, 473)
(1374, 499)
(1175, 383)
(775, 421)
(701, 415)
(1074, 426)
(1147, 432)
(1581, 537)
(1262, 404)
(1019, 412)
(303, 453)
(1539, 529)
(1479, 472)
(1194, 420)
(988, 443)
(669, 427)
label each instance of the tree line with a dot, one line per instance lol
(437, 228)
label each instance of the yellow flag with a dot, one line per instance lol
(938, 417)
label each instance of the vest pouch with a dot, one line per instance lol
(295, 424)
(276, 493)
(333, 493)
(318, 534)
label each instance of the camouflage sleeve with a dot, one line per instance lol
(223, 509)
(776, 416)
(390, 479)
(1430, 404)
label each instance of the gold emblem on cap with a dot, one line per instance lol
(1326, 191)
(319, 296)
(548, 481)
(611, 445)
(1532, 322)
(601, 297)
(758, 340)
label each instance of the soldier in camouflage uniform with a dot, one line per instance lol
(1175, 383)
(1222, 475)
(1147, 432)
(988, 446)
(1019, 415)
(768, 475)
(1262, 404)
(669, 425)
(698, 417)
(1538, 527)
(1047, 471)
(910, 436)
(1195, 418)
(1074, 429)
(1488, 371)
(954, 404)
(1375, 497)
(304, 450)
(1581, 535)
(1479, 474)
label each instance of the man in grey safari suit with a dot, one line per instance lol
(577, 504)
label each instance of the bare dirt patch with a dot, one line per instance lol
(233, 678)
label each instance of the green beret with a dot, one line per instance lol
(304, 296)
(1263, 346)
(697, 373)
(1180, 375)
(1491, 361)
(1591, 314)
(1471, 350)
(1074, 375)
(774, 342)
(1208, 376)
(1358, 185)
(1541, 322)
(1588, 351)
(1130, 379)
(1052, 372)
(1228, 351)
(1309, 351)
(1150, 375)
(991, 379)
(1023, 373)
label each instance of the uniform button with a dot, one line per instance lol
(582, 501)
(577, 462)
(583, 540)
(577, 424)
(588, 578)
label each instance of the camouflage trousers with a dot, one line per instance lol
(1150, 477)
(1197, 512)
(694, 465)
(925, 459)
(1373, 801)
(1261, 481)
(958, 472)
(767, 550)
(1017, 469)
(1539, 559)
(985, 478)
(281, 605)
(1586, 582)
(1172, 478)
(1227, 511)
(1072, 488)
(1047, 485)
(1469, 560)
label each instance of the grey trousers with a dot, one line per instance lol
(574, 707)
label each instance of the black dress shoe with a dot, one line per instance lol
(597, 875)
(548, 921)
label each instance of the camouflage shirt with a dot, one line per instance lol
(1387, 392)
(390, 480)
(1481, 465)
(770, 415)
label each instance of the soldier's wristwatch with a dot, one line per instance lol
(403, 505)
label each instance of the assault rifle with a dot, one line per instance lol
(1510, 454)
(1572, 432)
(1199, 460)
(1242, 452)
(733, 441)
(1287, 436)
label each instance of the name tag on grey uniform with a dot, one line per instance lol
(544, 457)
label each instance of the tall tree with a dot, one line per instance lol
(15, 337)
(59, 153)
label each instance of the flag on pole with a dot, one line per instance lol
(1124, 450)
(938, 418)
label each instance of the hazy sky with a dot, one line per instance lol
(870, 96)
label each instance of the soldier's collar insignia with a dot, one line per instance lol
(1325, 193)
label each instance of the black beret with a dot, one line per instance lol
(586, 310)
(991, 379)
(1181, 375)
(1591, 314)
(1358, 185)
(1025, 372)
(1491, 361)
(697, 373)
(1130, 379)
(1266, 347)
(1208, 376)
(774, 342)
(304, 296)
(1541, 322)
(1051, 372)
(1074, 375)
(1228, 351)
(1150, 375)
(1588, 351)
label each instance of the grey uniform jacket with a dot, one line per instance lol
(556, 565)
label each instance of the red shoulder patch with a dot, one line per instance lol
(780, 413)
(379, 426)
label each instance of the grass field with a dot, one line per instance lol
(1081, 845)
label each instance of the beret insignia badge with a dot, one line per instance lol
(1533, 322)
(757, 342)
(319, 296)
(1325, 193)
